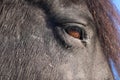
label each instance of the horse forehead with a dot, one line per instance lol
(72, 1)
(63, 2)
(66, 8)
(78, 6)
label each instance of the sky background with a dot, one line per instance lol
(117, 4)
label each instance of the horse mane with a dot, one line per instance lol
(107, 19)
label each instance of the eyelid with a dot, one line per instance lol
(76, 23)
(73, 24)
(78, 19)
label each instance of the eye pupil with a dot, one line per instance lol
(74, 34)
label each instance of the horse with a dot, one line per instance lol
(59, 40)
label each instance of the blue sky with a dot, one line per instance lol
(117, 4)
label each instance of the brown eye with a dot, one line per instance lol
(76, 32)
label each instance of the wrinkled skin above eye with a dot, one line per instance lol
(33, 45)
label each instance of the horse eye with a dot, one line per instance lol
(76, 32)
